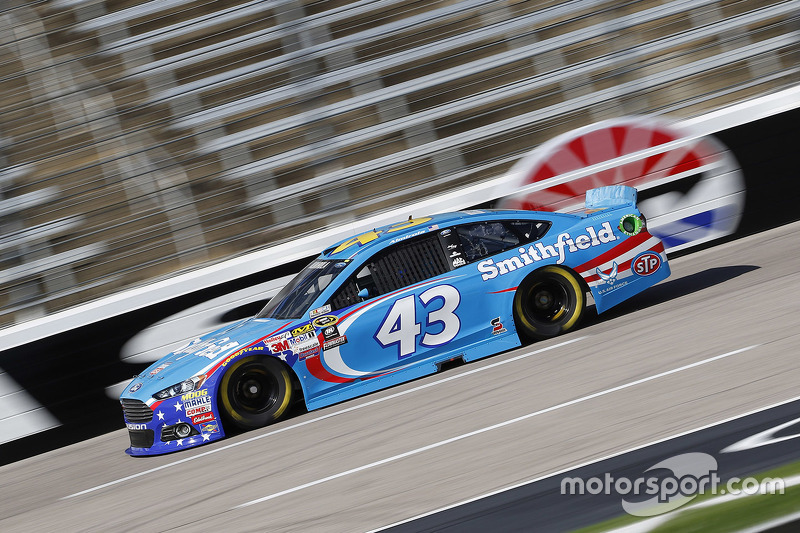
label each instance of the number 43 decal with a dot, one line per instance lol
(401, 327)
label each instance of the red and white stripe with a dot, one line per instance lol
(622, 254)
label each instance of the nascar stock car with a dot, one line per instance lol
(392, 305)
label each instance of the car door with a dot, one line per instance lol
(400, 306)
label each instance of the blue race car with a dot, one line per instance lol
(392, 305)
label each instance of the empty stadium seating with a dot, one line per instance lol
(139, 139)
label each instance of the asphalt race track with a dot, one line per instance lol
(716, 340)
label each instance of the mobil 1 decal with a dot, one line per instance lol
(691, 191)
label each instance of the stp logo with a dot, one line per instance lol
(646, 263)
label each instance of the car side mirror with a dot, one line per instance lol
(363, 294)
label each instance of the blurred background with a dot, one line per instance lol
(141, 139)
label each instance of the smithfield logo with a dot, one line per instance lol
(539, 252)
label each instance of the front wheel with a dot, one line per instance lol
(548, 302)
(255, 391)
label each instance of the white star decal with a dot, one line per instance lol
(206, 436)
(178, 406)
(180, 442)
(160, 415)
(191, 441)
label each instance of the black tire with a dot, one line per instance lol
(254, 392)
(547, 303)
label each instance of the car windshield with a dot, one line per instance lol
(295, 298)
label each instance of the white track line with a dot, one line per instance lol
(329, 415)
(493, 427)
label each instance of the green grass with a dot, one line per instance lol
(733, 515)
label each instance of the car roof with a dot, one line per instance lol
(383, 236)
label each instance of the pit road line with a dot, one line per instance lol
(493, 427)
(325, 417)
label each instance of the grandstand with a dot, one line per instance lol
(139, 139)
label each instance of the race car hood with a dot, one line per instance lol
(201, 356)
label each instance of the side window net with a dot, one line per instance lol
(397, 267)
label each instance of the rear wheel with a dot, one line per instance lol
(548, 302)
(255, 391)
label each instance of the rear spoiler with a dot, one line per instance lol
(611, 196)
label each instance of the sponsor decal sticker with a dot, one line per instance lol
(159, 368)
(646, 263)
(306, 354)
(135, 427)
(302, 329)
(333, 343)
(630, 225)
(208, 348)
(194, 394)
(459, 261)
(205, 417)
(319, 311)
(330, 332)
(211, 427)
(323, 321)
(610, 277)
(490, 269)
(497, 326)
(197, 406)
(404, 237)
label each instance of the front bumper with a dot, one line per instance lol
(163, 427)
